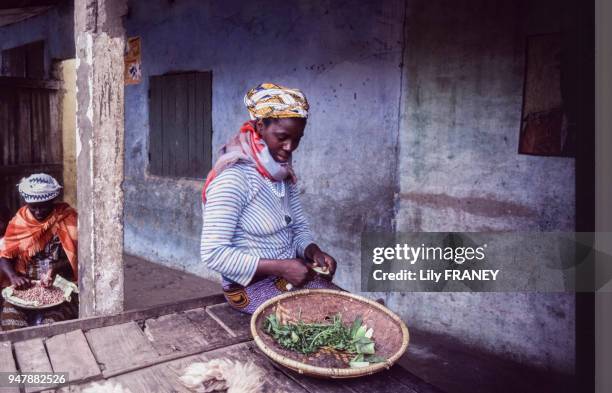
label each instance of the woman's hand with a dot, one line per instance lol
(322, 259)
(296, 272)
(47, 280)
(19, 281)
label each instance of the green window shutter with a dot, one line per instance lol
(180, 117)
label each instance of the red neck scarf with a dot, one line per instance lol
(26, 236)
(245, 145)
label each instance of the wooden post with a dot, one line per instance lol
(100, 42)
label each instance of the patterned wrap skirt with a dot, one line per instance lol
(247, 299)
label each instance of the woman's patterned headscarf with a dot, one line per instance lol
(270, 100)
(38, 187)
(264, 101)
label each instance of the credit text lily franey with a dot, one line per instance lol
(425, 263)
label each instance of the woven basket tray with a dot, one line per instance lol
(390, 332)
(68, 287)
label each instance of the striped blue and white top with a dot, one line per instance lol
(244, 221)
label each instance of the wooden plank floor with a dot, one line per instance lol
(150, 353)
(214, 332)
(174, 333)
(31, 356)
(120, 346)
(237, 323)
(7, 364)
(70, 352)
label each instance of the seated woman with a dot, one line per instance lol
(254, 230)
(40, 242)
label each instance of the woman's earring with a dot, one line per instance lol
(260, 126)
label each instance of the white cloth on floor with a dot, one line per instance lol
(106, 387)
(223, 374)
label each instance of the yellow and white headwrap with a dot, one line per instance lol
(270, 100)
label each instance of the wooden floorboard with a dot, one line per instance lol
(174, 333)
(120, 346)
(316, 384)
(397, 379)
(274, 381)
(31, 356)
(211, 330)
(70, 389)
(70, 352)
(380, 382)
(155, 379)
(7, 363)
(175, 355)
(163, 377)
(407, 378)
(236, 322)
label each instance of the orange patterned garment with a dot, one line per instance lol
(26, 236)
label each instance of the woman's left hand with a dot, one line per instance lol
(324, 260)
(48, 278)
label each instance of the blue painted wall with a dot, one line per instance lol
(345, 56)
(55, 27)
(414, 125)
(386, 129)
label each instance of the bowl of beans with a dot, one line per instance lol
(35, 297)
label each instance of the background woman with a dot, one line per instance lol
(254, 230)
(40, 242)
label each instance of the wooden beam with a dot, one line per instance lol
(14, 4)
(10, 81)
(102, 321)
(8, 170)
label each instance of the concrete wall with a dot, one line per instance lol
(458, 165)
(352, 82)
(67, 73)
(415, 117)
(459, 169)
(55, 27)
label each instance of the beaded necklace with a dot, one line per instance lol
(282, 193)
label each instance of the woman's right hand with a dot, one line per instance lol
(296, 272)
(19, 281)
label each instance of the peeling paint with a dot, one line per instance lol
(480, 206)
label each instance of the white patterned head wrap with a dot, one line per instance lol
(270, 100)
(39, 187)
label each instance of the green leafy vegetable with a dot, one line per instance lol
(307, 338)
